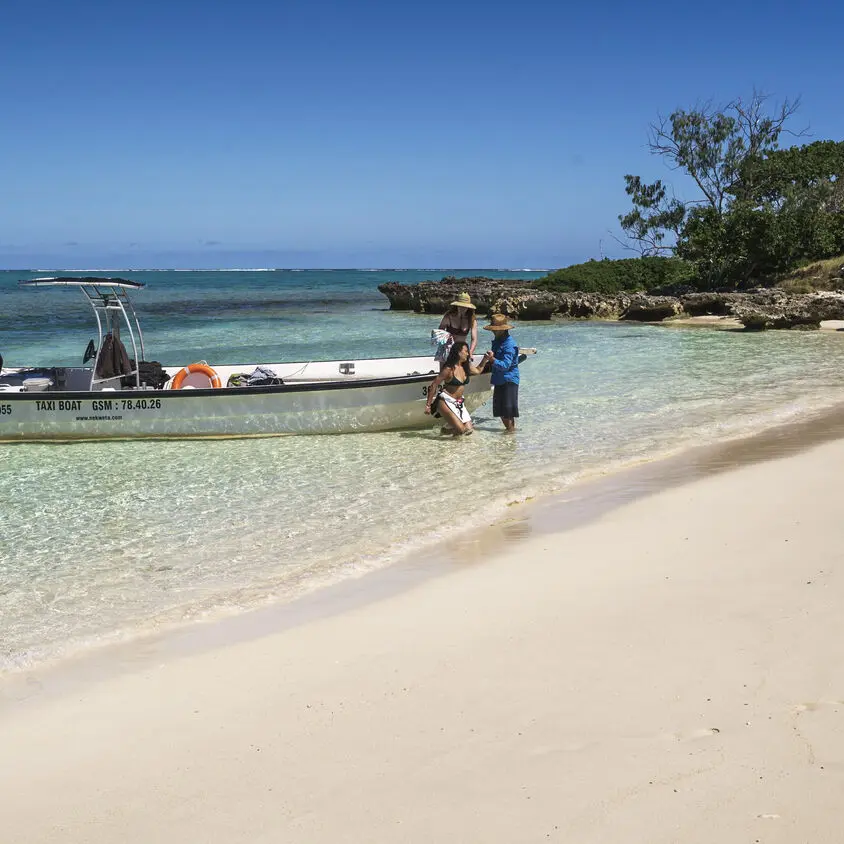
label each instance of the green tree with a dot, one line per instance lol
(809, 174)
(800, 192)
(654, 215)
(714, 148)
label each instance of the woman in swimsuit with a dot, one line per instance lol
(453, 378)
(459, 321)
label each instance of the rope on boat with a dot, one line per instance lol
(300, 370)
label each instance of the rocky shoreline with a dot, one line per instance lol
(756, 310)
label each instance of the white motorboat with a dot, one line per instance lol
(116, 394)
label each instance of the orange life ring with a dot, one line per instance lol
(183, 373)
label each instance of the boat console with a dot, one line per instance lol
(113, 365)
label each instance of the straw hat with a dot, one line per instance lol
(463, 300)
(498, 322)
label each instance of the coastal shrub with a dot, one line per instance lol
(798, 285)
(622, 275)
(810, 276)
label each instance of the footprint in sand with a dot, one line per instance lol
(820, 732)
(694, 735)
(815, 705)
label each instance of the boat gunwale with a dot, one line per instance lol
(309, 386)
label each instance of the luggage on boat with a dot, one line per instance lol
(150, 372)
(261, 376)
(237, 380)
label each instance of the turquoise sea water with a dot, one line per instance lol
(106, 540)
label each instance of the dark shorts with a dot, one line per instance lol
(505, 400)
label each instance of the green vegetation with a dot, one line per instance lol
(817, 275)
(757, 211)
(627, 274)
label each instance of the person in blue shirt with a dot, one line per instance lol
(504, 359)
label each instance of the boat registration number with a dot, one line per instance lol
(97, 405)
(140, 404)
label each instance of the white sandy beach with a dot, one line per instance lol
(668, 673)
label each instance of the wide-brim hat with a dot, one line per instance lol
(498, 322)
(463, 300)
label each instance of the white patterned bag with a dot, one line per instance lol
(443, 341)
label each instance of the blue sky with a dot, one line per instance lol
(366, 134)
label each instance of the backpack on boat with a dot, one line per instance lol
(150, 372)
(263, 376)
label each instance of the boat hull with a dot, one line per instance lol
(308, 408)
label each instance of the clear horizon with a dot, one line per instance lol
(266, 269)
(332, 134)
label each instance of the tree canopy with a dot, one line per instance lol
(758, 209)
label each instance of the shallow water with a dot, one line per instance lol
(105, 540)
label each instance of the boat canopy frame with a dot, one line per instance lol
(110, 301)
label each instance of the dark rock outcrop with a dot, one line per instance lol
(541, 304)
(434, 297)
(772, 309)
(758, 309)
(708, 304)
(643, 308)
(529, 304)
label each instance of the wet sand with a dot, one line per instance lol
(649, 658)
(577, 505)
